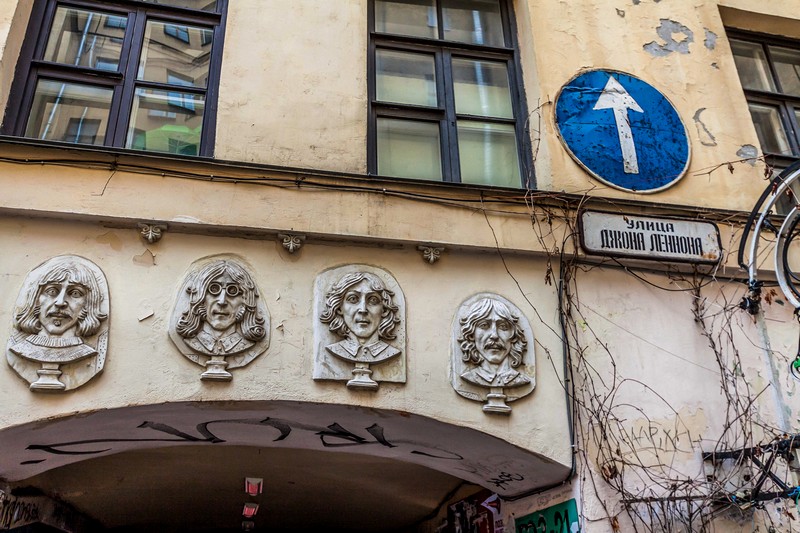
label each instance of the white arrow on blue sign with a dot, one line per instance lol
(623, 131)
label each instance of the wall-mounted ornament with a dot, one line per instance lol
(492, 356)
(291, 241)
(360, 331)
(60, 336)
(151, 233)
(220, 321)
(431, 254)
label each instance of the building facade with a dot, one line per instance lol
(398, 265)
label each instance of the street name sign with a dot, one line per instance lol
(653, 238)
(622, 131)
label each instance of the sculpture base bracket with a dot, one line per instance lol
(215, 370)
(496, 402)
(48, 379)
(361, 379)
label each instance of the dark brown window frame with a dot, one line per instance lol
(31, 68)
(445, 114)
(785, 103)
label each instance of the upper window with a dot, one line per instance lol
(769, 69)
(445, 98)
(127, 74)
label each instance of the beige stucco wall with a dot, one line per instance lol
(305, 104)
(293, 93)
(294, 88)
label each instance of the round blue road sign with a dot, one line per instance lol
(623, 131)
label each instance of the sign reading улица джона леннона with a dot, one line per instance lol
(658, 239)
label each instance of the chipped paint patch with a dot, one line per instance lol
(749, 153)
(621, 13)
(706, 137)
(710, 41)
(146, 258)
(110, 238)
(667, 31)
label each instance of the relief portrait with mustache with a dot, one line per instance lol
(61, 319)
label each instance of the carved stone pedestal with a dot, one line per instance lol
(215, 370)
(48, 378)
(496, 402)
(362, 379)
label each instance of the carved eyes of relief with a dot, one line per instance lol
(360, 337)
(220, 321)
(60, 333)
(492, 357)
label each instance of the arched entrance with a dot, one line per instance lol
(182, 466)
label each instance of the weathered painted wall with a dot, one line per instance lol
(293, 93)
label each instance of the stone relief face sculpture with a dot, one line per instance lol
(363, 337)
(60, 334)
(219, 320)
(490, 352)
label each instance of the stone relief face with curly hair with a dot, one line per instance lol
(363, 317)
(60, 320)
(220, 321)
(490, 349)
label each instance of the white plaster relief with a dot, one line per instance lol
(360, 331)
(60, 336)
(220, 321)
(492, 356)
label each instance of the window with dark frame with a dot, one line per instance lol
(445, 93)
(126, 74)
(769, 69)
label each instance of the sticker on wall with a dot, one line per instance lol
(623, 131)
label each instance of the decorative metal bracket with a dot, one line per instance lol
(431, 254)
(151, 232)
(291, 241)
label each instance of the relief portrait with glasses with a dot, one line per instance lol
(220, 320)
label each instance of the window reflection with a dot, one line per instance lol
(180, 50)
(69, 112)
(86, 38)
(166, 121)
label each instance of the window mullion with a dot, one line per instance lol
(440, 19)
(790, 123)
(449, 126)
(134, 39)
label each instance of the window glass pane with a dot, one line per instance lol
(86, 38)
(752, 66)
(166, 121)
(481, 88)
(405, 78)
(180, 52)
(202, 5)
(69, 112)
(488, 154)
(409, 149)
(769, 128)
(787, 65)
(473, 21)
(406, 17)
